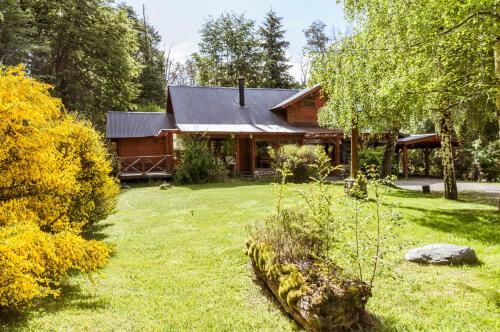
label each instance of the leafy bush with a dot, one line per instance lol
(150, 108)
(479, 161)
(54, 183)
(354, 240)
(298, 159)
(371, 156)
(197, 164)
(33, 263)
(315, 256)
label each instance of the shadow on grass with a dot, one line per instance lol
(70, 298)
(96, 231)
(477, 197)
(268, 294)
(474, 224)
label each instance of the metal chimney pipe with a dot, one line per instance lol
(241, 85)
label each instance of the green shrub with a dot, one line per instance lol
(479, 161)
(371, 156)
(197, 164)
(299, 160)
(150, 108)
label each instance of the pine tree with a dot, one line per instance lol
(273, 43)
(152, 80)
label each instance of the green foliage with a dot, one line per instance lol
(97, 55)
(229, 49)
(300, 160)
(317, 40)
(16, 33)
(479, 161)
(368, 234)
(275, 67)
(371, 156)
(150, 108)
(356, 240)
(197, 163)
(151, 81)
(232, 47)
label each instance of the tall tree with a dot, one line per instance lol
(228, 50)
(16, 33)
(317, 40)
(444, 49)
(151, 59)
(86, 49)
(275, 69)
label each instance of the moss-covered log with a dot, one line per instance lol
(318, 297)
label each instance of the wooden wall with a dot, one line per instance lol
(143, 146)
(301, 115)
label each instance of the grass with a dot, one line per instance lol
(180, 265)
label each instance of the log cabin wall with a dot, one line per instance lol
(305, 110)
(143, 146)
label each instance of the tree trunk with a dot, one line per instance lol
(354, 150)
(449, 178)
(497, 74)
(389, 152)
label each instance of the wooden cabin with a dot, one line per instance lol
(252, 119)
(249, 120)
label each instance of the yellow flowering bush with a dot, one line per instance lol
(32, 262)
(54, 181)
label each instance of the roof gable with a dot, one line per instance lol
(295, 98)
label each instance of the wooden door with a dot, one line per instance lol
(245, 154)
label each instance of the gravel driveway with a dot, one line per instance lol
(437, 185)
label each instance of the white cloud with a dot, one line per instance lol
(181, 51)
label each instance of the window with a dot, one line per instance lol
(308, 102)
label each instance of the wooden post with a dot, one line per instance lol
(405, 161)
(354, 151)
(427, 158)
(237, 150)
(337, 151)
(252, 153)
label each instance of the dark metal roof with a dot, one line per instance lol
(418, 141)
(217, 109)
(292, 99)
(137, 124)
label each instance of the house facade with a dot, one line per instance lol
(240, 124)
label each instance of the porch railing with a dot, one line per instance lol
(145, 165)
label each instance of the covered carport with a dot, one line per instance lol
(425, 142)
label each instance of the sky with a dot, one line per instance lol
(179, 21)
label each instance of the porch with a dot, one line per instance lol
(145, 167)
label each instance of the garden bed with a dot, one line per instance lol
(316, 295)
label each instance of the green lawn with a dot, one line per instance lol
(180, 265)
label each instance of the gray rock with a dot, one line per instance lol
(445, 254)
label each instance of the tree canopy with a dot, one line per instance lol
(98, 56)
(408, 61)
(275, 62)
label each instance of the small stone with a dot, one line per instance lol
(444, 254)
(165, 186)
(125, 186)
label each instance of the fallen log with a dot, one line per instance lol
(317, 296)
